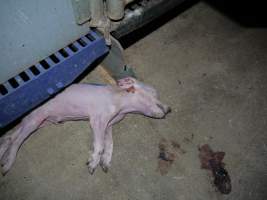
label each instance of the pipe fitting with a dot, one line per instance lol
(115, 9)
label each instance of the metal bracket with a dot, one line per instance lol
(114, 62)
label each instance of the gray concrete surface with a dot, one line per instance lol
(213, 73)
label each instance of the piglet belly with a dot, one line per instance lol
(67, 111)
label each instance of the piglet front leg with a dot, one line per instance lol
(105, 161)
(98, 125)
(108, 149)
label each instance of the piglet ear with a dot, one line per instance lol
(126, 83)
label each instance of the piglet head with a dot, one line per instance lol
(144, 98)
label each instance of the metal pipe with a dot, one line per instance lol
(97, 12)
(115, 9)
(142, 15)
(127, 1)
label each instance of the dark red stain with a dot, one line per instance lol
(212, 161)
(131, 89)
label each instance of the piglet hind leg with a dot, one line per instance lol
(10, 144)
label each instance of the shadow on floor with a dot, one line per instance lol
(138, 34)
(246, 13)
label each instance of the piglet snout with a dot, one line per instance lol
(164, 110)
(167, 109)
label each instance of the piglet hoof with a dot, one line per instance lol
(5, 143)
(4, 171)
(6, 162)
(5, 166)
(104, 167)
(90, 166)
(91, 170)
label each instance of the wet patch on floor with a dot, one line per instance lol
(168, 153)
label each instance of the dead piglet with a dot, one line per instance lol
(102, 106)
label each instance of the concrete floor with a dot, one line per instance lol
(212, 72)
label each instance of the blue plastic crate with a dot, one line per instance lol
(36, 84)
